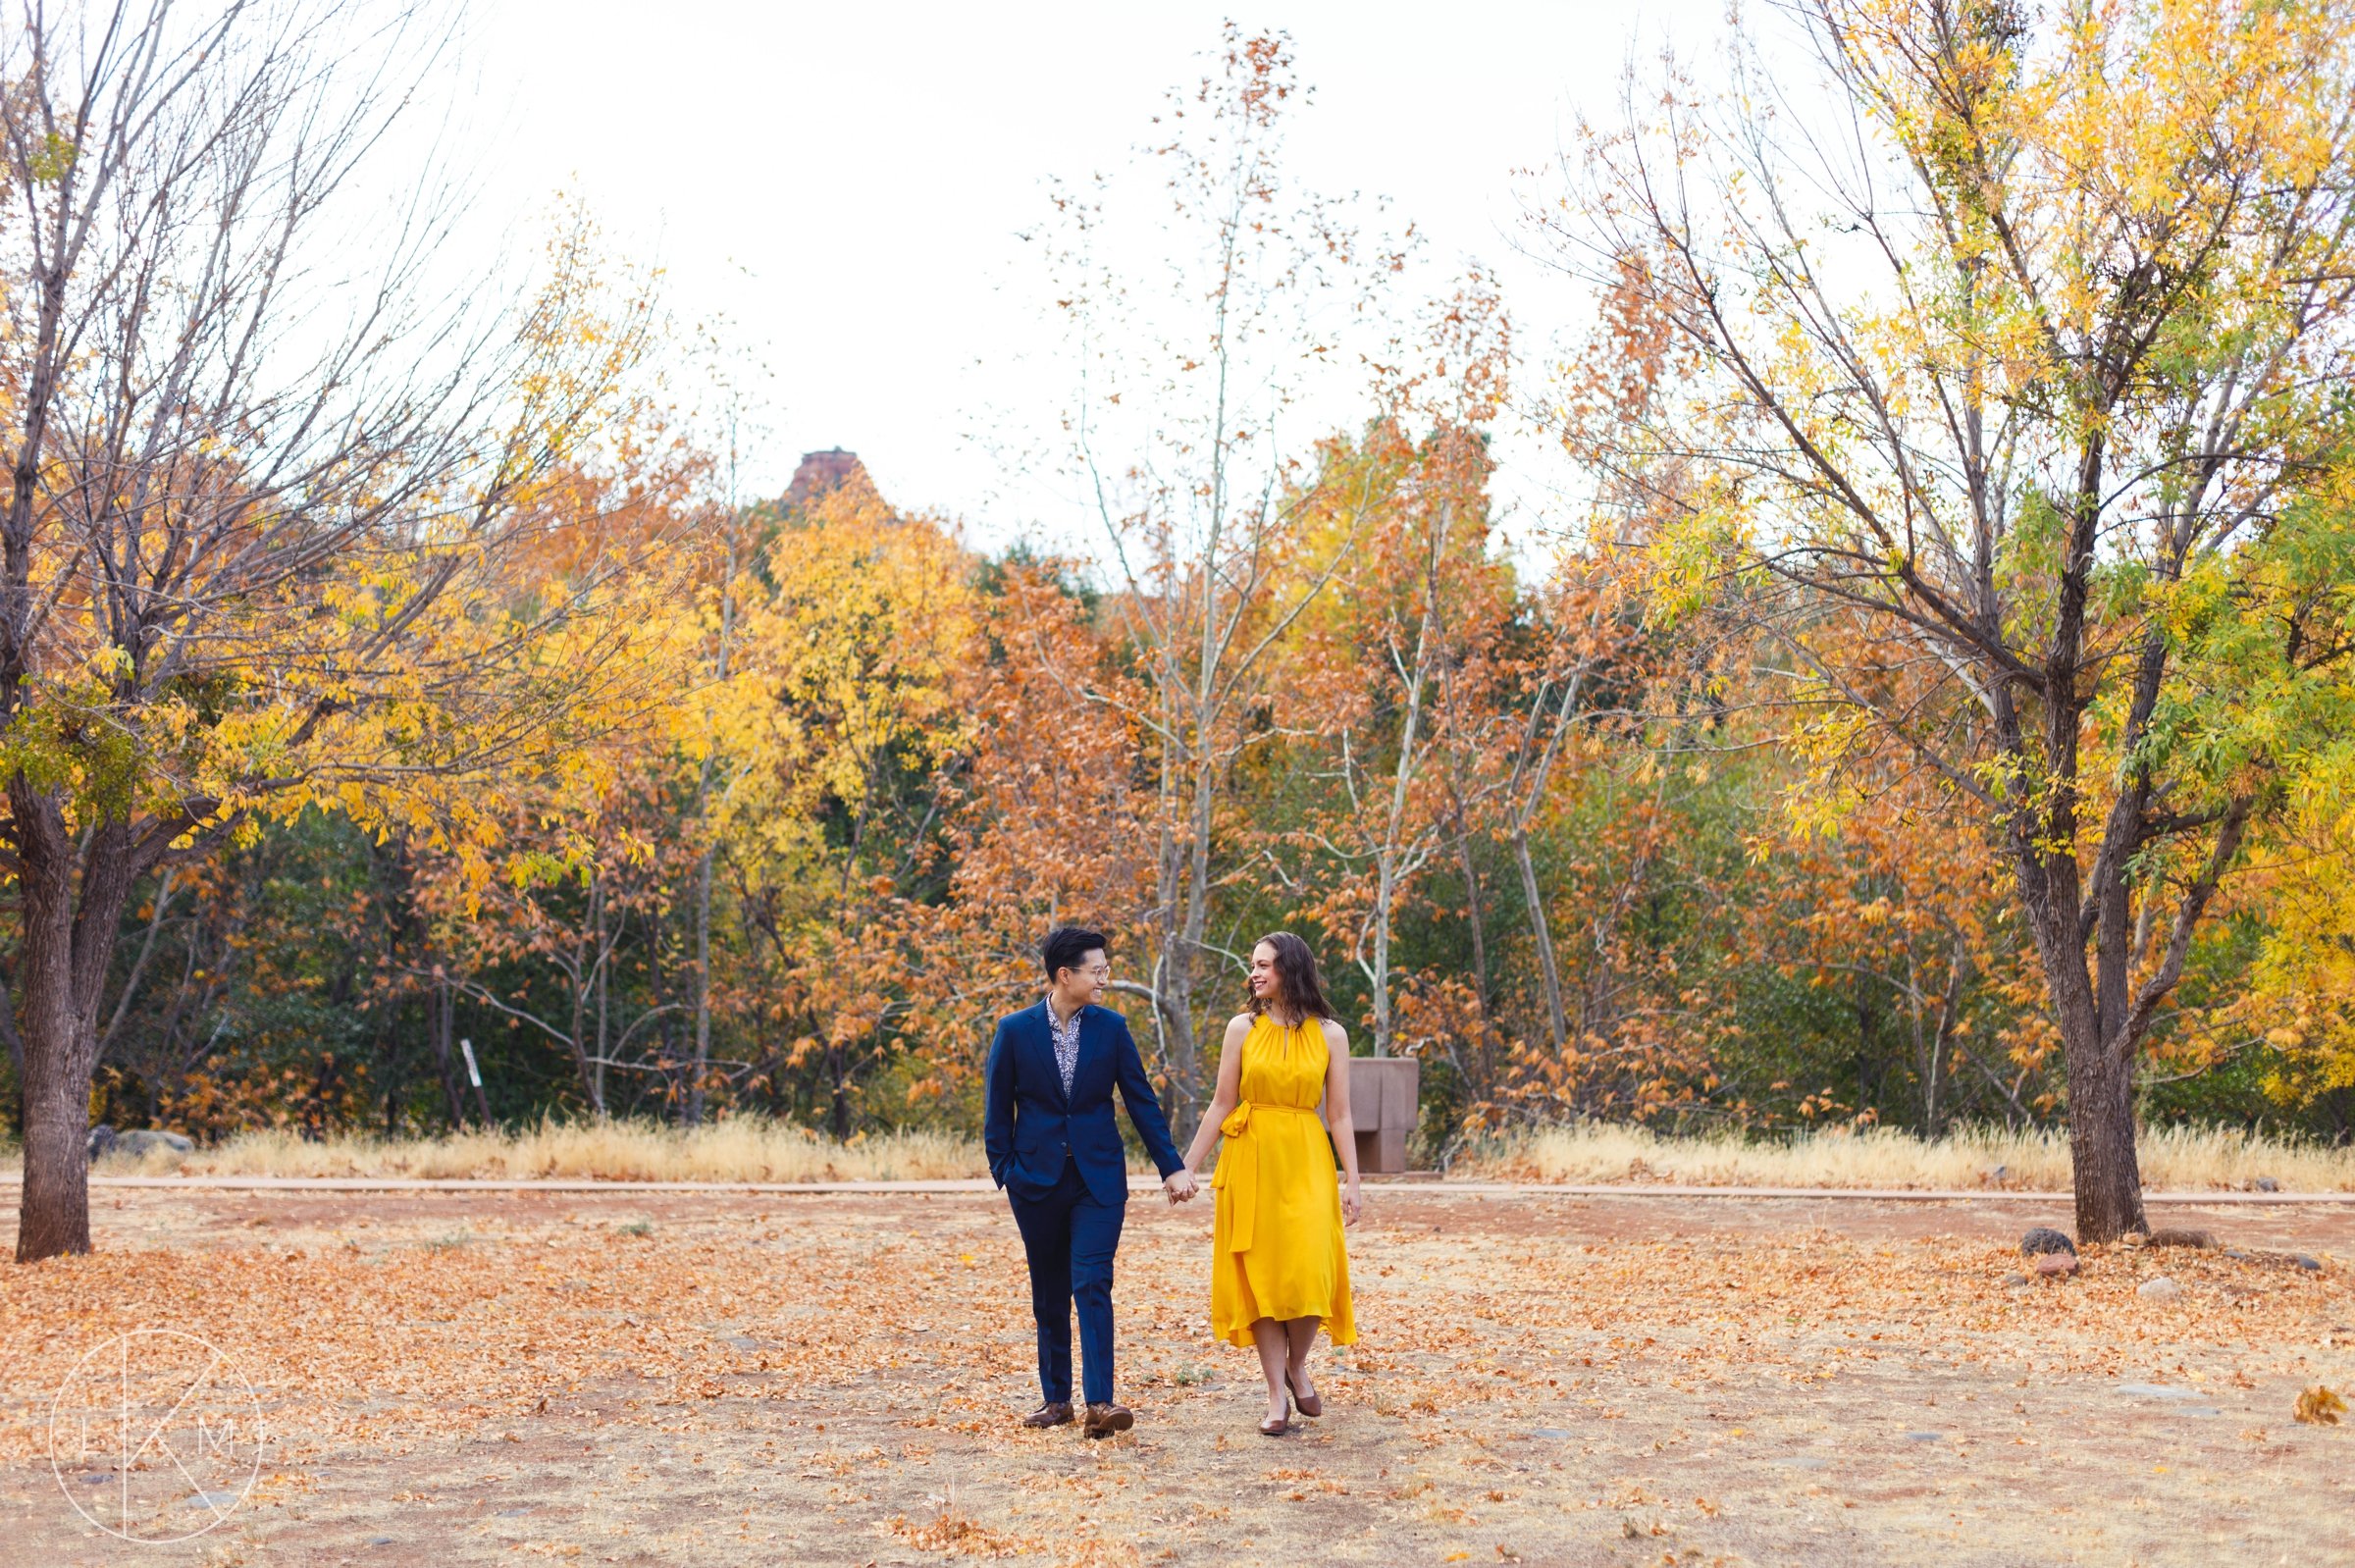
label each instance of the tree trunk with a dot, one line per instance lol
(1384, 890)
(55, 1213)
(1923, 1053)
(1378, 973)
(702, 868)
(444, 1010)
(1385, 875)
(1950, 1010)
(1558, 1022)
(604, 996)
(1868, 1018)
(2101, 1102)
(1481, 1078)
(2100, 1069)
(474, 1076)
(67, 945)
(694, 1114)
(8, 1033)
(580, 984)
(1173, 1009)
(1185, 873)
(2101, 1142)
(1475, 916)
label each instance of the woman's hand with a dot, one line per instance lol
(1349, 1204)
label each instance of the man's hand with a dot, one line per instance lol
(1179, 1184)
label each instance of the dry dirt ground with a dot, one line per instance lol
(477, 1377)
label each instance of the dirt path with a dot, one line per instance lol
(660, 1378)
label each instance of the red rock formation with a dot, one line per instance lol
(821, 472)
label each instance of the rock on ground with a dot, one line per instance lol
(106, 1140)
(2042, 1241)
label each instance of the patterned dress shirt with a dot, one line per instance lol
(1066, 1045)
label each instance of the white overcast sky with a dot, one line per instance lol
(846, 180)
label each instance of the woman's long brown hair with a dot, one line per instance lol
(1296, 969)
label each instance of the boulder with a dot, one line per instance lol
(137, 1143)
(2041, 1242)
(2055, 1264)
(2268, 1185)
(2161, 1289)
(2203, 1240)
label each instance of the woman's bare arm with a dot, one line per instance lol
(1229, 1093)
(1337, 1119)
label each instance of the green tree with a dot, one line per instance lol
(2022, 364)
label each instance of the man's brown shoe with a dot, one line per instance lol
(1054, 1413)
(1105, 1420)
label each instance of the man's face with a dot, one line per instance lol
(1085, 984)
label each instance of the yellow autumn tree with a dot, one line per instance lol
(836, 739)
(2026, 364)
(256, 552)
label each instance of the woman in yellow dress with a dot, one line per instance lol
(1279, 1267)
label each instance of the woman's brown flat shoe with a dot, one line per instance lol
(1274, 1429)
(1309, 1403)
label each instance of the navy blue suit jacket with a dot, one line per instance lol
(1029, 1125)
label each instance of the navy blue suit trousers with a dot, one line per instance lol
(1069, 1238)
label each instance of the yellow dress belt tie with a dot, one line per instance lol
(1240, 1177)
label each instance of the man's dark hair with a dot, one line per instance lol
(1065, 946)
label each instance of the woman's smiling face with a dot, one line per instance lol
(1265, 983)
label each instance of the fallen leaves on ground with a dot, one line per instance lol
(956, 1535)
(441, 1331)
(882, 1348)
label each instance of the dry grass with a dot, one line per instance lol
(739, 1149)
(2173, 1160)
(758, 1149)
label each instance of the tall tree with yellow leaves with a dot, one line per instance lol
(251, 558)
(2026, 357)
(840, 733)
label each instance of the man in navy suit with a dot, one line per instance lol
(1055, 1148)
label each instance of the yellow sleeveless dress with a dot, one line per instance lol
(1277, 1234)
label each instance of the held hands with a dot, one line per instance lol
(1179, 1184)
